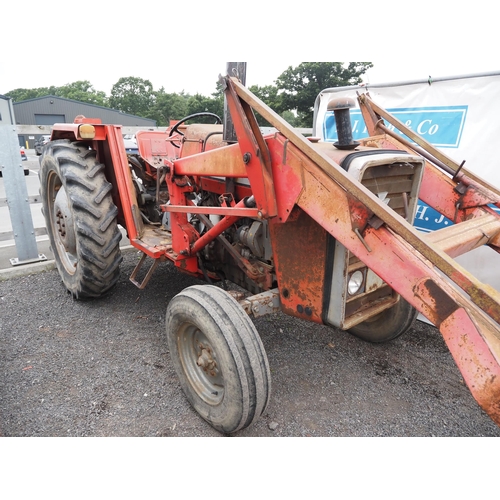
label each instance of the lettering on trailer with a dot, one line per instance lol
(427, 219)
(441, 126)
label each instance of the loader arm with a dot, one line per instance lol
(466, 311)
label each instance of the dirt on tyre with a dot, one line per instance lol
(218, 356)
(80, 217)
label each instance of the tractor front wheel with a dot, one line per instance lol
(387, 325)
(218, 357)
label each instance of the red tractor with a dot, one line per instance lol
(319, 231)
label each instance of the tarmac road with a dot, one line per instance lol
(102, 368)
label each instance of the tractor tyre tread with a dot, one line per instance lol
(95, 217)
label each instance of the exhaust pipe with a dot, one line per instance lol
(340, 107)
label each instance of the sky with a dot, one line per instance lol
(185, 49)
(202, 77)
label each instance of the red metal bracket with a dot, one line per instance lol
(254, 152)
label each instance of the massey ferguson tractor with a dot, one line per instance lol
(319, 231)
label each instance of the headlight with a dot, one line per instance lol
(355, 282)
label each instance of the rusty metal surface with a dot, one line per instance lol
(133, 277)
(154, 242)
(475, 360)
(262, 304)
(299, 249)
(200, 137)
(437, 305)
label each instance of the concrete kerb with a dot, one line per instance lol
(26, 270)
(40, 267)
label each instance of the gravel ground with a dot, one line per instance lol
(102, 368)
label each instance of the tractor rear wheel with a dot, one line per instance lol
(218, 357)
(387, 325)
(80, 218)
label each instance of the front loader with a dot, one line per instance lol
(320, 231)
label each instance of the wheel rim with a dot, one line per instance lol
(63, 228)
(200, 364)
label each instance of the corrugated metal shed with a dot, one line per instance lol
(6, 110)
(50, 109)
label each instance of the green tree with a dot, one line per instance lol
(82, 91)
(269, 94)
(290, 117)
(133, 95)
(299, 87)
(168, 107)
(202, 104)
(18, 95)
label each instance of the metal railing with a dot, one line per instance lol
(17, 198)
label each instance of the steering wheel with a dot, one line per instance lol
(175, 128)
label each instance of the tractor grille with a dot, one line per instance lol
(393, 183)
